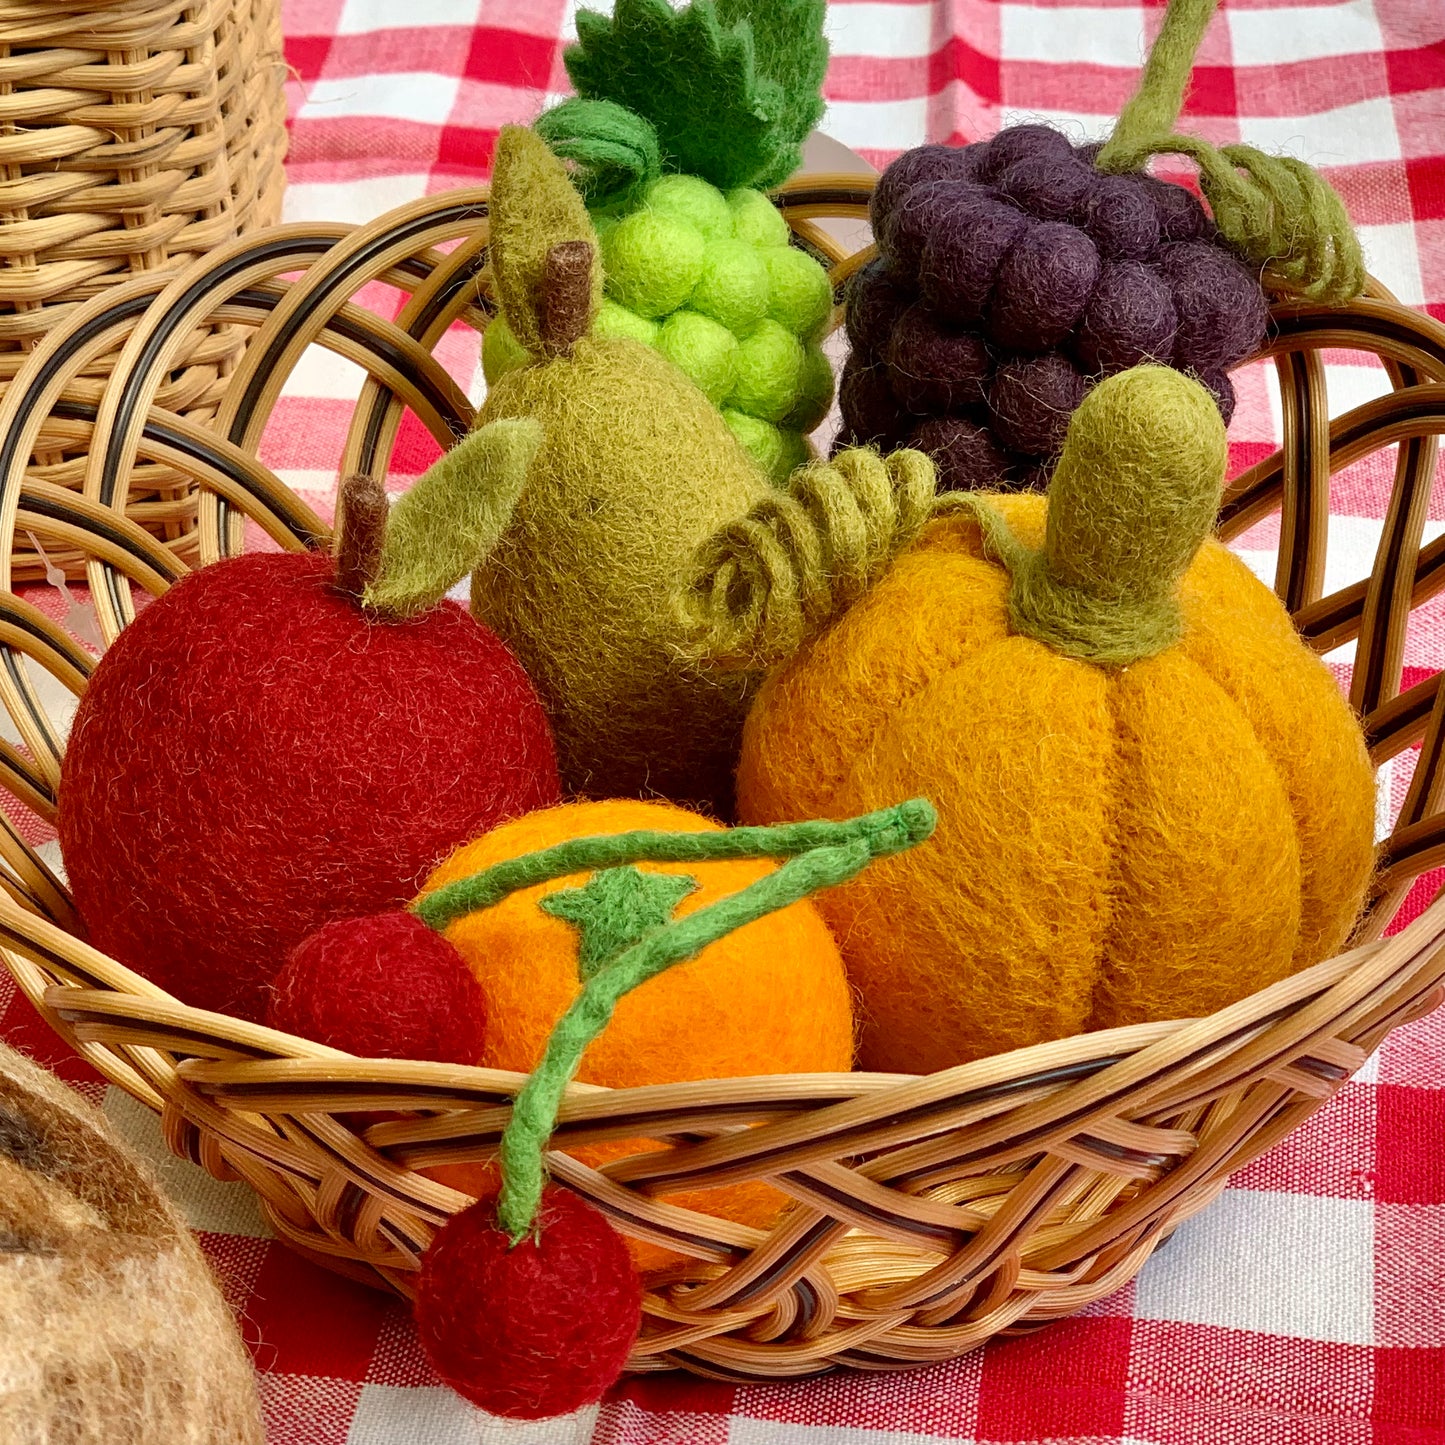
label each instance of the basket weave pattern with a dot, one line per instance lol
(930, 1213)
(135, 136)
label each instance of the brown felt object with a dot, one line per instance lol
(361, 511)
(112, 1331)
(565, 309)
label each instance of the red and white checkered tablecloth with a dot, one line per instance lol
(1307, 1306)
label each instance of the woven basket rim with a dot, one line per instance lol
(1086, 1151)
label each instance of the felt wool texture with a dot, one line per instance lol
(1053, 188)
(961, 256)
(917, 216)
(799, 295)
(703, 350)
(731, 87)
(426, 544)
(875, 301)
(996, 247)
(112, 1330)
(769, 998)
(1222, 315)
(629, 933)
(1120, 219)
(501, 351)
(870, 410)
(1274, 210)
(1130, 318)
(523, 234)
(1134, 495)
(769, 368)
(691, 199)
(385, 987)
(762, 584)
(815, 391)
(1032, 399)
(1114, 844)
(613, 152)
(1043, 284)
(717, 1016)
(933, 367)
(733, 285)
(617, 321)
(756, 220)
(634, 469)
(531, 1330)
(966, 455)
(1221, 388)
(299, 782)
(775, 450)
(653, 260)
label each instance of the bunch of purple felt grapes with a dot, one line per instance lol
(1012, 275)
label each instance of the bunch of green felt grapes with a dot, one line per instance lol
(710, 280)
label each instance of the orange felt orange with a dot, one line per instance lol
(771, 998)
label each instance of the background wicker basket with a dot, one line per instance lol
(135, 136)
(931, 1212)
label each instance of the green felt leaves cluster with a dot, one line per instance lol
(731, 87)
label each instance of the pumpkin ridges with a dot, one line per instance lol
(1203, 820)
(1248, 646)
(951, 942)
(937, 613)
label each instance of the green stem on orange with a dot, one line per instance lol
(622, 908)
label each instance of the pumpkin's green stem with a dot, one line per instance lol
(1135, 494)
(628, 935)
(1278, 213)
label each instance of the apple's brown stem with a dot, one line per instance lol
(566, 299)
(361, 512)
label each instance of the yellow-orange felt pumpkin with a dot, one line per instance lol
(770, 998)
(1162, 806)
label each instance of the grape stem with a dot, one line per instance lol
(1153, 109)
(1281, 215)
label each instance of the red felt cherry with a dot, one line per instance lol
(531, 1330)
(384, 986)
(255, 756)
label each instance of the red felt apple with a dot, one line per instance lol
(256, 756)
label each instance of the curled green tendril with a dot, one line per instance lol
(1281, 215)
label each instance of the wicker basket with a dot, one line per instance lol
(135, 136)
(932, 1212)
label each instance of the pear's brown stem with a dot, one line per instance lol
(361, 512)
(566, 296)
